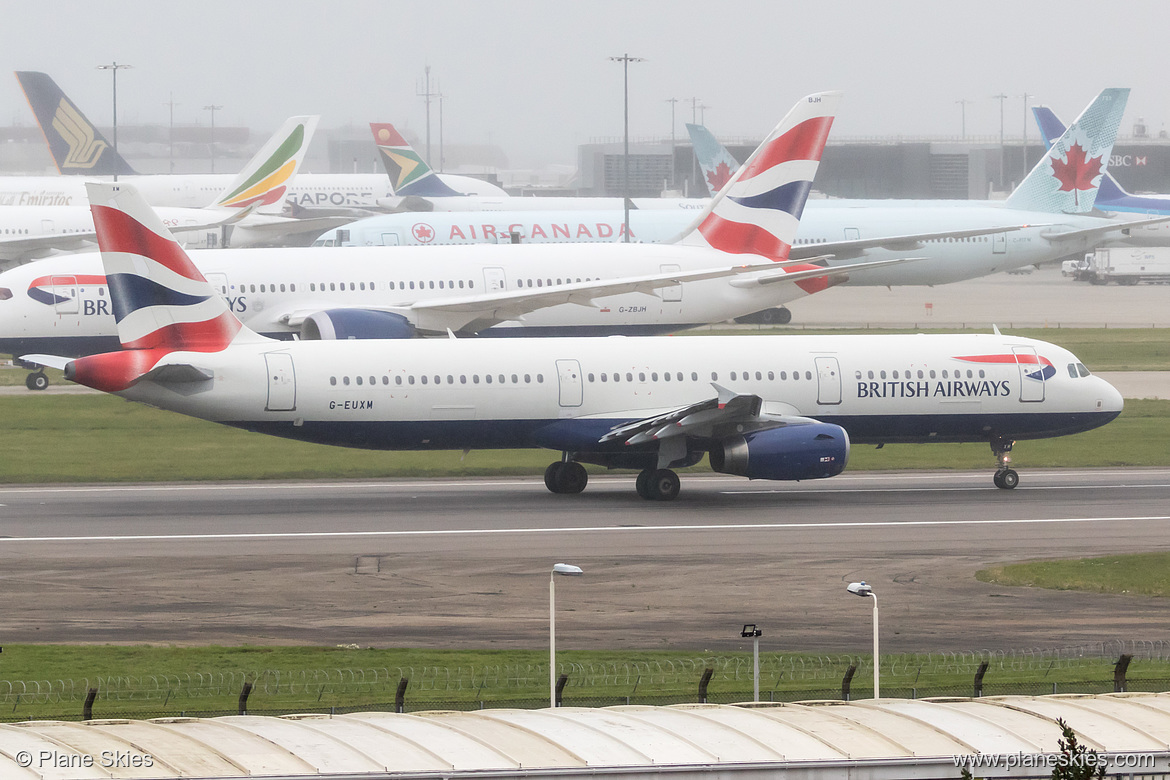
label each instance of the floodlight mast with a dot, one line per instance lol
(750, 630)
(866, 591)
(567, 570)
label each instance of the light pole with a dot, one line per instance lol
(673, 178)
(212, 109)
(626, 59)
(1024, 154)
(567, 570)
(171, 135)
(1000, 97)
(114, 67)
(865, 591)
(750, 629)
(963, 105)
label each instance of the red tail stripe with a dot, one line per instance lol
(395, 138)
(114, 371)
(119, 232)
(208, 336)
(742, 239)
(806, 141)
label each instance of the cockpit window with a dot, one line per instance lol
(5, 293)
(1072, 370)
(1082, 370)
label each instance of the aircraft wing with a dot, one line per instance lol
(15, 250)
(726, 414)
(1103, 230)
(831, 270)
(904, 243)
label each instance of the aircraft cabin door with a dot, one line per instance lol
(65, 294)
(282, 382)
(390, 239)
(999, 244)
(219, 282)
(670, 294)
(494, 280)
(569, 380)
(1031, 375)
(828, 380)
(852, 234)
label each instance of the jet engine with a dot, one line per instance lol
(794, 452)
(340, 324)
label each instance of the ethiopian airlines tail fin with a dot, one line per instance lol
(1110, 195)
(715, 161)
(76, 145)
(1066, 179)
(409, 174)
(263, 182)
(758, 210)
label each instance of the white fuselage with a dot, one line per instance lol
(565, 393)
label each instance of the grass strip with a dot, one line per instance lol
(1142, 574)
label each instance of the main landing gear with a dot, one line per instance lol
(1006, 477)
(566, 476)
(36, 380)
(658, 485)
(569, 476)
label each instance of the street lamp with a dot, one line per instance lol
(626, 59)
(864, 590)
(1026, 97)
(750, 629)
(567, 570)
(963, 105)
(1000, 97)
(212, 109)
(114, 67)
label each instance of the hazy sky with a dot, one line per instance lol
(533, 76)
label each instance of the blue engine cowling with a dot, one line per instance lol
(340, 324)
(795, 452)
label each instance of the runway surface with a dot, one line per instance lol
(465, 563)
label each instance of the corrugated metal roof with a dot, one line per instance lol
(574, 739)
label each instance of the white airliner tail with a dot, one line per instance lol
(1066, 179)
(716, 163)
(758, 210)
(263, 182)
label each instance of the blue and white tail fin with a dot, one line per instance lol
(409, 174)
(758, 210)
(1066, 179)
(265, 180)
(76, 145)
(716, 163)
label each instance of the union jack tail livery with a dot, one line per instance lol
(758, 210)
(409, 174)
(162, 303)
(1066, 179)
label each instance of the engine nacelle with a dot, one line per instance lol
(340, 324)
(795, 452)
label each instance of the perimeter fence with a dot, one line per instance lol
(783, 678)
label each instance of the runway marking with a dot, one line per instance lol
(572, 529)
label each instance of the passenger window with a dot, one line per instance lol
(333, 380)
(358, 380)
(345, 380)
(423, 379)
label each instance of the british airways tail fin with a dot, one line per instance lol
(409, 174)
(715, 161)
(1110, 193)
(76, 145)
(263, 182)
(1066, 179)
(758, 210)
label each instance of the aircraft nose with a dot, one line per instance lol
(1108, 397)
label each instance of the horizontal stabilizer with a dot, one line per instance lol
(46, 361)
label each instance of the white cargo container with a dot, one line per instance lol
(1129, 265)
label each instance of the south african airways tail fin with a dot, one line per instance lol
(758, 210)
(1066, 179)
(76, 145)
(409, 174)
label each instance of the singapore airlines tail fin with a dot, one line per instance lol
(758, 210)
(76, 145)
(715, 161)
(161, 302)
(1066, 179)
(409, 173)
(266, 178)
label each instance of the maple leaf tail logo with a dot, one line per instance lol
(1076, 172)
(718, 177)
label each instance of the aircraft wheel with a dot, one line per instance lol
(642, 485)
(663, 485)
(998, 479)
(1008, 479)
(37, 381)
(571, 478)
(551, 475)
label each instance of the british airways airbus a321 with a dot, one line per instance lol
(762, 407)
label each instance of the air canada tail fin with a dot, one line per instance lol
(1066, 179)
(76, 145)
(1052, 128)
(409, 174)
(758, 210)
(266, 178)
(715, 161)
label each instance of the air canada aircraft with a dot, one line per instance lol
(79, 148)
(248, 209)
(762, 407)
(715, 272)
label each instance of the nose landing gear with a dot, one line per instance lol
(1005, 477)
